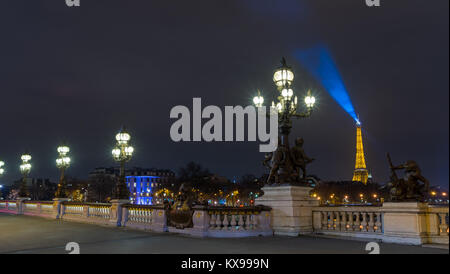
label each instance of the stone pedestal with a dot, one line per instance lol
(116, 211)
(292, 207)
(20, 207)
(200, 221)
(57, 207)
(159, 222)
(405, 223)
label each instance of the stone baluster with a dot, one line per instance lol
(333, 220)
(443, 226)
(339, 221)
(348, 221)
(219, 221)
(150, 215)
(378, 223)
(254, 220)
(364, 222)
(85, 211)
(329, 220)
(324, 215)
(212, 223)
(371, 222)
(356, 221)
(226, 223)
(241, 222)
(236, 221)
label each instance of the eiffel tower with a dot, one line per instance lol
(360, 174)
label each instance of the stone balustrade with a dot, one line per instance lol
(228, 222)
(97, 213)
(102, 211)
(439, 222)
(8, 206)
(239, 222)
(38, 208)
(406, 223)
(352, 221)
(145, 217)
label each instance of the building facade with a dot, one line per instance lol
(142, 182)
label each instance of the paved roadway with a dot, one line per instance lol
(26, 234)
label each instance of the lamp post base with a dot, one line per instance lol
(57, 207)
(291, 208)
(116, 211)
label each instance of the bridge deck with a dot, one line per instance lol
(26, 234)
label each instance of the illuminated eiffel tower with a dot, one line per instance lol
(360, 174)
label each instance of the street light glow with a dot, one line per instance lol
(122, 153)
(2, 164)
(310, 100)
(283, 75)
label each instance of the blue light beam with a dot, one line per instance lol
(320, 64)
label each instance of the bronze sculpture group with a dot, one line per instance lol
(287, 165)
(412, 187)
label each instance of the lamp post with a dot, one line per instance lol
(25, 169)
(287, 105)
(62, 162)
(2, 164)
(122, 153)
(2, 170)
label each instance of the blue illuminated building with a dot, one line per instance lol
(142, 183)
(141, 188)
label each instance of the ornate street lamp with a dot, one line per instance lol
(2, 170)
(122, 153)
(2, 164)
(287, 106)
(25, 169)
(62, 162)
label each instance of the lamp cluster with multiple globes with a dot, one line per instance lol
(122, 151)
(287, 102)
(2, 164)
(25, 167)
(63, 161)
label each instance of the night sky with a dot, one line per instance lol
(78, 74)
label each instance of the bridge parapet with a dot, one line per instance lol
(406, 223)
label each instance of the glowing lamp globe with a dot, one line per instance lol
(283, 75)
(123, 137)
(25, 158)
(310, 100)
(63, 150)
(59, 162)
(287, 93)
(25, 167)
(116, 153)
(129, 150)
(258, 101)
(63, 162)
